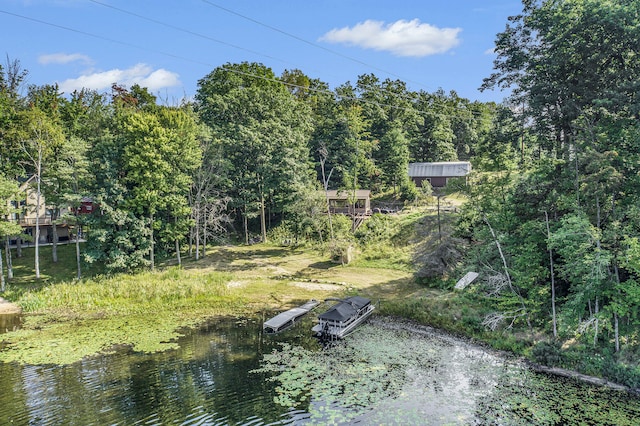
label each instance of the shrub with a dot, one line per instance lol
(548, 353)
(374, 230)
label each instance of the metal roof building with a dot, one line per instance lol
(438, 173)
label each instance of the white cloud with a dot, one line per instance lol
(491, 51)
(64, 58)
(140, 74)
(402, 38)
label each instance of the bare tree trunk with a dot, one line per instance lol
(198, 225)
(246, 226)
(616, 331)
(78, 265)
(37, 239)
(595, 335)
(151, 255)
(325, 183)
(553, 281)
(54, 240)
(178, 252)
(506, 271)
(2, 284)
(615, 314)
(263, 225)
(205, 240)
(9, 262)
(18, 247)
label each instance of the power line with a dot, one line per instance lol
(190, 32)
(186, 31)
(278, 30)
(111, 40)
(291, 85)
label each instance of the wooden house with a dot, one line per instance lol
(350, 202)
(28, 213)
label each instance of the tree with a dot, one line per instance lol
(159, 155)
(563, 57)
(498, 149)
(208, 197)
(433, 139)
(63, 162)
(393, 150)
(83, 117)
(39, 138)
(585, 266)
(11, 103)
(8, 191)
(263, 130)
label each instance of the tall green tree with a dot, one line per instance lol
(264, 131)
(143, 162)
(159, 156)
(395, 161)
(40, 136)
(561, 57)
(8, 192)
(83, 117)
(12, 77)
(433, 139)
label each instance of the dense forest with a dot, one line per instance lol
(552, 217)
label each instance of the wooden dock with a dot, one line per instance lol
(288, 318)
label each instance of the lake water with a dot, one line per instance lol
(9, 322)
(229, 373)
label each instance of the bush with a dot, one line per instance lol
(620, 373)
(408, 191)
(341, 251)
(548, 353)
(375, 229)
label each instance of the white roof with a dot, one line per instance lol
(441, 169)
(344, 194)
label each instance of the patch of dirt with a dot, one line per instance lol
(318, 286)
(8, 307)
(235, 284)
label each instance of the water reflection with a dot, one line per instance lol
(9, 322)
(422, 377)
(206, 381)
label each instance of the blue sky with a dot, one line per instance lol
(167, 46)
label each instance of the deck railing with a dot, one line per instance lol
(31, 221)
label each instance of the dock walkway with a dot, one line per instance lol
(288, 318)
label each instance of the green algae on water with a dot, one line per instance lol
(66, 343)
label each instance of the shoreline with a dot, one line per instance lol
(8, 308)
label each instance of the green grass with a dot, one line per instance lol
(63, 270)
(127, 294)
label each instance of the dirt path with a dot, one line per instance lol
(8, 307)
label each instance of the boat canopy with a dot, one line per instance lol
(345, 309)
